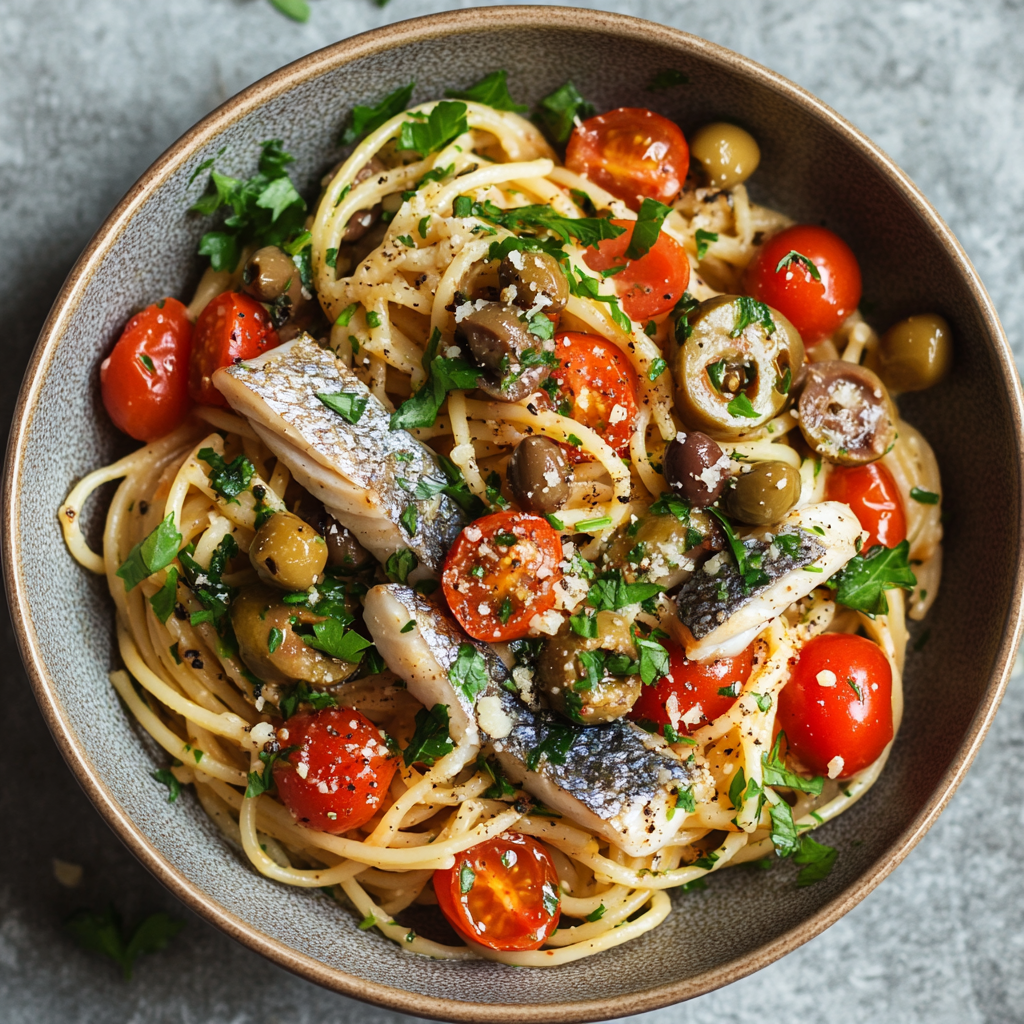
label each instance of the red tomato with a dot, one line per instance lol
(500, 572)
(650, 285)
(502, 893)
(712, 687)
(815, 308)
(232, 327)
(594, 379)
(348, 769)
(145, 379)
(632, 153)
(875, 499)
(838, 704)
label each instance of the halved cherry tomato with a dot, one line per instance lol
(502, 893)
(815, 308)
(500, 572)
(597, 387)
(836, 709)
(632, 153)
(875, 499)
(694, 692)
(348, 768)
(145, 379)
(650, 285)
(232, 327)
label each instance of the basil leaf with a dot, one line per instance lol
(491, 90)
(150, 555)
(647, 227)
(364, 120)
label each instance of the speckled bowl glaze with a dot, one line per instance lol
(816, 167)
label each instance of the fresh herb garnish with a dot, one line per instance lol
(704, 240)
(349, 405)
(923, 497)
(583, 624)
(302, 693)
(491, 90)
(775, 772)
(430, 738)
(742, 406)
(151, 554)
(400, 564)
(467, 878)
(364, 120)
(587, 231)
(861, 584)
(609, 592)
(654, 660)
(331, 637)
(166, 776)
(228, 479)
(555, 746)
(274, 639)
(443, 375)
(297, 10)
(102, 932)
(163, 601)
(596, 915)
(818, 858)
(752, 575)
(556, 112)
(800, 259)
(445, 123)
(468, 674)
(409, 519)
(750, 311)
(646, 228)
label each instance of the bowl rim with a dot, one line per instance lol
(310, 67)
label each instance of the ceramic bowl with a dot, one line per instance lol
(815, 167)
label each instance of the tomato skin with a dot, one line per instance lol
(591, 368)
(649, 286)
(823, 722)
(333, 745)
(144, 404)
(872, 494)
(692, 683)
(523, 573)
(503, 908)
(633, 153)
(232, 327)
(815, 308)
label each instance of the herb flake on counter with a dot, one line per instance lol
(102, 932)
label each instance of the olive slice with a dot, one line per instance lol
(536, 278)
(845, 412)
(764, 495)
(734, 370)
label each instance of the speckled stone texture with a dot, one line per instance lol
(93, 90)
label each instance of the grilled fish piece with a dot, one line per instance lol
(615, 779)
(366, 474)
(721, 611)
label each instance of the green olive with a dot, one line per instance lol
(288, 553)
(536, 276)
(262, 621)
(764, 495)
(915, 353)
(728, 154)
(271, 276)
(734, 370)
(589, 693)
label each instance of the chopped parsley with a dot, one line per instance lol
(166, 777)
(704, 240)
(750, 311)
(817, 858)
(775, 772)
(554, 747)
(364, 120)
(587, 231)
(646, 228)
(163, 601)
(400, 564)
(752, 575)
(556, 113)
(302, 693)
(491, 90)
(609, 592)
(349, 405)
(596, 915)
(409, 519)
(151, 554)
(741, 406)
(331, 637)
(862, 582)
(468, 674)
(274, 639)
(426, 135)
(923, 497)
(228, 479)
(467, 878)
(263, 782)
(430, 738)
(583, 624)
(443, 375)
(346, 315)
(793, 257)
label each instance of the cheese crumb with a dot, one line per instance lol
(472, 533)
(550, 623)
(261, 733)
(492, 717)
(693, 716)
(617, 415)
(835, 767)
(826, 677)
(303, 769)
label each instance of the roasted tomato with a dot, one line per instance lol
(145, 379)
(650, 285)
(597, 387)
(340, 773)
(836, 709)
(875, 499)
(500, 572)
(502, 893)
(815, 301)
(633, 153)
(693, 693)
(231, 328)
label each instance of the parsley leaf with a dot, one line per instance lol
(654, 660)
(430, 738)
(587, 231)
(446, 122)
(400, 564)
(818, 858)
(349, 405)
(595, 915)
(583, 624)
(920, 495)
(102, 932)
(491, 90)
(783, 833)
(704, 240)
(555, 746)
(443, 375)
(263, 782)
(800, 259)
(647, 227)
(469, 672)
(557, 111)
(302, 694)
(750, 311)
(458, 490)
(166, 776)
(741, 406)
(364, 120)
(502, 787)
(775, 772)
(332, 638)
(862, 582)
(151, 554)
(228, 479)
(163, 601)
(610, 592)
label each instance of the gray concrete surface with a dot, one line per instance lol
(91, 91)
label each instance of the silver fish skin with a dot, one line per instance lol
(615, 779)
(365, 474)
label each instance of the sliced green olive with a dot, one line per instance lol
(764, 495)
(728, 154)
(734, 371)
(536, 277)
(288, 553)
(846, 414)
(915, 353)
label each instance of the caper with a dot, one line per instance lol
(262, 621)
(538, 475)
(288, 553)
(846, 414)
(590, 693)
(915, 353)
(729, 155)
(271, 276)
(734, 370)
(764, 495)
(536, 278)
(696, 468)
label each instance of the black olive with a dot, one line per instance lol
(538, 475)
(534, 275)
(696, 468)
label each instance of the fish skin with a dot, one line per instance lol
(615, 778)
(356, 470)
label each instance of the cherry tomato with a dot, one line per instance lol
(597, 387)
(650, 285)
(815, 308)
(348, 769)
(502, 893)
(694, 692)
(632, 153)
(836, 709)
(232, 327)
(145, 379)
(875, 499)
(500, 572)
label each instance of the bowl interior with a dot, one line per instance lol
(813, 169)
